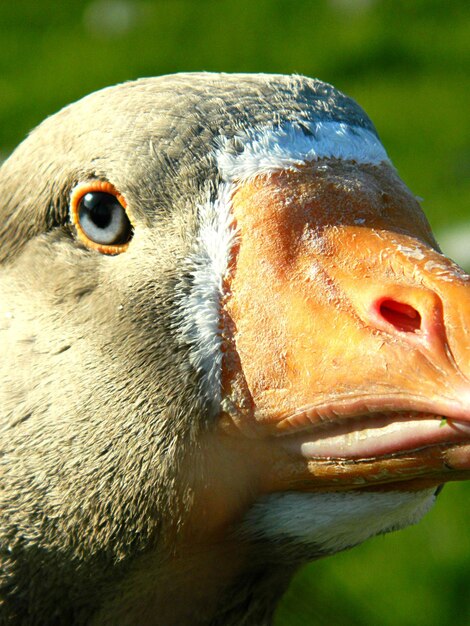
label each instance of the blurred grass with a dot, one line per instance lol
(407, 63)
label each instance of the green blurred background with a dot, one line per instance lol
(407, 63)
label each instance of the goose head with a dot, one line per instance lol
(230, 345)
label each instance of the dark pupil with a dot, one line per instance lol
(99, 206)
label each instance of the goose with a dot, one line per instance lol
(230, 345)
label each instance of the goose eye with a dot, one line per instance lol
(103, 219)
(98, 212)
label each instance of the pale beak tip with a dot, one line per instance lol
(458, 458)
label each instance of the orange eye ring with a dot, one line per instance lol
(77, 196)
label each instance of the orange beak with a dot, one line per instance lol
(347, 334)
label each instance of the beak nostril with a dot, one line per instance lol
(403, 317)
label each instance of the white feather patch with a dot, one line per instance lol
(334, 521)
(201, 310)
(288, 147)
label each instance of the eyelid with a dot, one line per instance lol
(78, 192)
